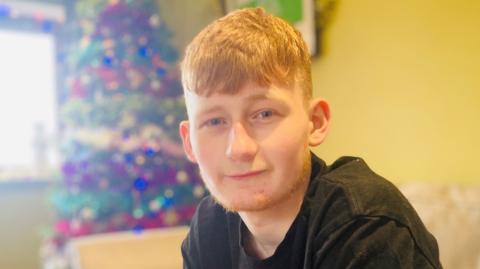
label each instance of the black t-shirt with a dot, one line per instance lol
(350, 218)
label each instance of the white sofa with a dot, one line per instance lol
(452, 214)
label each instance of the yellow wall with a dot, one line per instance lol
(403, 80)
(25, 215)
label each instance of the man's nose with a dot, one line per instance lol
(241, 146)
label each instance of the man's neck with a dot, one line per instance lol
(266, 229)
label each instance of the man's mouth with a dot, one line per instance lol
(244, 175)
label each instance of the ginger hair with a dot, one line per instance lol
(247, 45)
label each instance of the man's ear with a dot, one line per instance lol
(183, 129)
(319, 121)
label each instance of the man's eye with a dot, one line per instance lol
(214, 122)
(264, 114)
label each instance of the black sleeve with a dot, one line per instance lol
(190, 246)
(372, 242)
(206, 245)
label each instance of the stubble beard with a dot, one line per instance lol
(261, 201)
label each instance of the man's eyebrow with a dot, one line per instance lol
(264, 96)
(210, 110)
(259, 96)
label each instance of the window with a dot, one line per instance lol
(28, 121)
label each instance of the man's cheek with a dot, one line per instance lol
(285, 143)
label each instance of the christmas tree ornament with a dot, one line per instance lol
(182, 177)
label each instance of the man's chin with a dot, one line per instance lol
(255, 204)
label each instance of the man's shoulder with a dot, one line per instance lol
(212, 222)
(359, 191)
(207, 243)
(348, 191)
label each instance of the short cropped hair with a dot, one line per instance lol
(247, 45)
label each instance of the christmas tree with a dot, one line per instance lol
(120, 105)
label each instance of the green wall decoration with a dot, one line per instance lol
(290, 10)
(310, 17)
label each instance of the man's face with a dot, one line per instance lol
(251, 147)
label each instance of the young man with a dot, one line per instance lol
(273, 204)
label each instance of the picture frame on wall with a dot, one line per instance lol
(300, 13)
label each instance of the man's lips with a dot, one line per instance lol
(244, 175)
